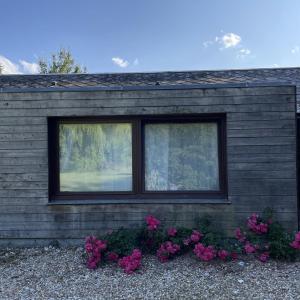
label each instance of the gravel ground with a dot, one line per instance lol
(51, 273)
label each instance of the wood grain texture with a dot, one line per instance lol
(261, 155)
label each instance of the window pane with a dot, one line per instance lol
(95, 157)
(181, 157)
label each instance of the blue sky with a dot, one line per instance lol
(153, 35)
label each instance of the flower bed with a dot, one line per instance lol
(262, 238)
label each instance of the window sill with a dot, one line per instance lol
(140, 201)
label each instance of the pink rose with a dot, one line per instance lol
(172, 231)
(167, 250)
(196, 236)
(223, 254)
(152, 222)
(131, 262)
(296, 243)
(258, 228)
(239, 235)
(249, 248)
(264, 257)
(204, 253)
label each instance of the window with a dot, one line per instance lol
(151, 157)
(95, 157)
(181, 157)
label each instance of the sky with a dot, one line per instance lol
(151, 35)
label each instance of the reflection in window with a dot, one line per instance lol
(95, 157)
(181, 157)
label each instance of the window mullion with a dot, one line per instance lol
(137, 156)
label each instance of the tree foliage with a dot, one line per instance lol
(61, 62)
(95, 147)
(95, 157)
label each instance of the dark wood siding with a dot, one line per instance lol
(261, 159)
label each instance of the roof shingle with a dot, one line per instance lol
(250, 76)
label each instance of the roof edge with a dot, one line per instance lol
(145, 88)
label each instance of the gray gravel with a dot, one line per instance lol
(51, 273)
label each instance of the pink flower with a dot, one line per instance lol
(223, 254)
(92, 264)
(296, 242)
(88, 247)
(152, 222)
(239, 235)
(258, 228)
(136, 254)
(172, 231)
(264, 257)
(204, 253)
(249, 248)
(93, 248)
(196, 236)
(112, 256)
(131, 262)
(167, 250)
(295, 245)
(101, 245)
(262, 228)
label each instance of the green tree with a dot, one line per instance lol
(61, 62)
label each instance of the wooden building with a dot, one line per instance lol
(82, 154)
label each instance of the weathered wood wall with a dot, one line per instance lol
(261, 154)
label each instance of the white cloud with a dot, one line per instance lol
(242, 53)
(229, 40)
(295, 50)
(31, 68)
(8, 67)
(136, 62)
(122, 63)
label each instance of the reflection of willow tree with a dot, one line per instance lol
(92, 147)
(182, 156)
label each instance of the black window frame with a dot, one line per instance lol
(138, 163)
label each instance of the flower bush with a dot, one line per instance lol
(267, 239)
(261, 237)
